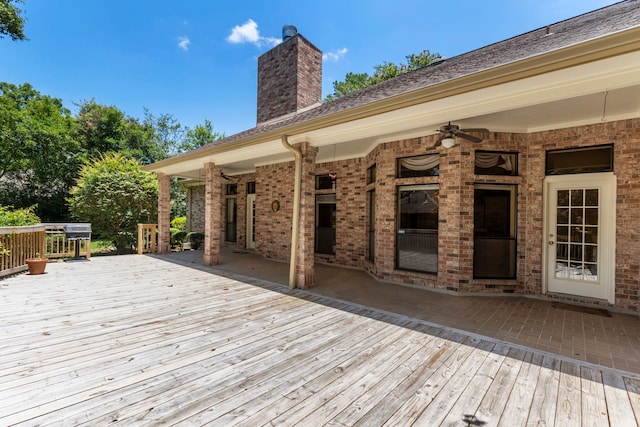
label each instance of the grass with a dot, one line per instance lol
(102, 247)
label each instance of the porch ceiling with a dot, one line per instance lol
(604, 90)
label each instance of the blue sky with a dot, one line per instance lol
(198, 59)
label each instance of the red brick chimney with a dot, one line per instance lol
(289, 77)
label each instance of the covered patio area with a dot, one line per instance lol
(139, 340)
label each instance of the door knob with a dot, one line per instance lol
(551, 242)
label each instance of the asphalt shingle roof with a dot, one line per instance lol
(607, 20)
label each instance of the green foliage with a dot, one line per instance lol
(178, 237)
(385, 71)
(43, 147)
(10, 217)
(352, 82)
(179, 223)
(115, 195)
(196, 239)
(11, 20)
(39, 156)
(199, 136)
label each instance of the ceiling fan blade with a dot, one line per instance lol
(468, 137)
(438, 142)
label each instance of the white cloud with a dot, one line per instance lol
(184, 42)
(335, 56)
(248, 33)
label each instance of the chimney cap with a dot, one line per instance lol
(288, 32)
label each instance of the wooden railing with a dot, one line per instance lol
(22, 243)
(45, 240)
(59, 247)
(147, 238)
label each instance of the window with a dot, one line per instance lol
(232, 189)
(231, 226)
(371, 174)
(494, 255)
(417, 228)
(326, 224)
(496, 163)
(580, 160)
(326, 182)
(371, 225)
(418, 166)
(251, 187)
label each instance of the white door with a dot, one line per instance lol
(580, 235)
(251, 221)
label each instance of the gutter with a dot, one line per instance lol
(295, 226)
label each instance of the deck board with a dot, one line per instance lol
(137, 340)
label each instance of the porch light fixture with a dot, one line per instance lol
(448, 142)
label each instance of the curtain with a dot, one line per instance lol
(489, 160)
(421, 163)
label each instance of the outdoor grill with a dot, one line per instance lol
(75, 232)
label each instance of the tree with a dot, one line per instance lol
(199, 136)
(385, 71)
(11, 20)
(38, 162)
(193, 138)
(115, 195)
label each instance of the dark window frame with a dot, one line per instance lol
(403, 172)
(499, 171)
(371, 174)
(327, 181)
(231, 224)
(568, 154)
(326, 232)
(494, 240)
(408, 236)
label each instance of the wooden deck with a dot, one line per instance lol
(137, 340)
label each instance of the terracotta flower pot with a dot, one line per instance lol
(37, 265)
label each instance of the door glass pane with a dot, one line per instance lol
(494, 253)
(576, 197)
(253, 220)
(371, 225)
(325, 237)
(577, 222)
(230, 232)
(563, 198)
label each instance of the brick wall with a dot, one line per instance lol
(351, 217)
(289, 78)
(456, 183)
(625, 137)
(273, 229)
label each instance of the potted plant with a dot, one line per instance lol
(37, 264)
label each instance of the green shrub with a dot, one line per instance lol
(178, 237)
(114, 194)
(196, 239)
(10, 217)
(179, 223)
